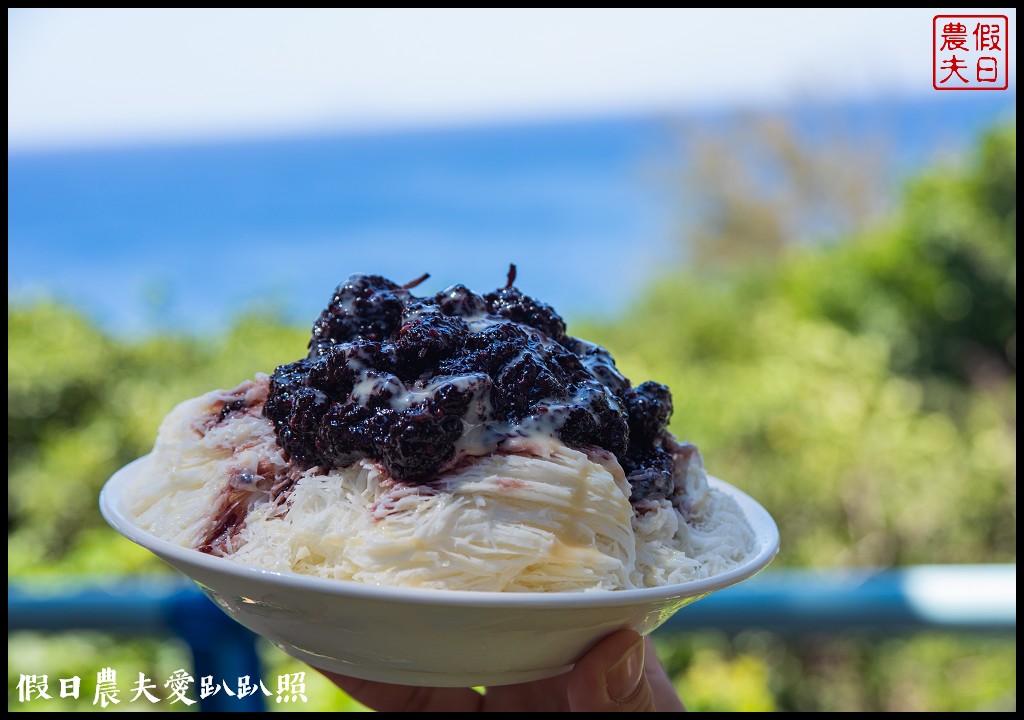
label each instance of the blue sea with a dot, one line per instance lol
(185, 236)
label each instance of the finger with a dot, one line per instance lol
(666, 699)
(547, 695)
(610, 678)
(384, 697)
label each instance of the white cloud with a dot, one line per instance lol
(85, 76)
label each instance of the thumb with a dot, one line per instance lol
(610, 678)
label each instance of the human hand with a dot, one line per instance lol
(619, 674)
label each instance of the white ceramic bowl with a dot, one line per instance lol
(415, 636)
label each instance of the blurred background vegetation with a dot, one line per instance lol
(862, 387)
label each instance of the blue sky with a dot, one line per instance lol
(86, 77)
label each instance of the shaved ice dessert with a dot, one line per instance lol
(455, 441)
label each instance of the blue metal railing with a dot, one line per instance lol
(950, 597)
(147, 606)
(947, 597)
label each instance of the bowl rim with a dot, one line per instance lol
(766, 539)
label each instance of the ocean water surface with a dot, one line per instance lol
(184, 236)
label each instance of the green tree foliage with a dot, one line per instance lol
(940, 283)
(865, 392)
(81, 404)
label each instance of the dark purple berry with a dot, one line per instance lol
(460, 300)
(368, 354)
(452, 399)
(418, 445)
(351, 431)
(424, 342)
(364, 306)
(291, 375)
(524, 382)
(332, 374)
(600, 364)
(649, 406)
(508, 302)
(296, 414)
(377, 389)
(596, 422)
(496, 345)
(511, 304)
(650, 474)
